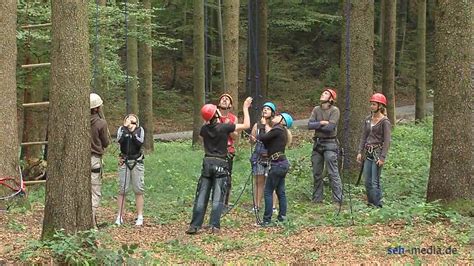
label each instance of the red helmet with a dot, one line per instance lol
(208, 111)
(378, 98)
(332, 92)
(228, 96)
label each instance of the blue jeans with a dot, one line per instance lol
(276, 182)
(326, 151)
(213, 177)
(373, 189)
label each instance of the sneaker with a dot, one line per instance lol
(255, 209)
(191, 230)
(275, 210)
(266, 224)
(118, 221)
(139, 222)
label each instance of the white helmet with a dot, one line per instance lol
(95, 100)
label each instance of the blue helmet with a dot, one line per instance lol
(288, 119)
(270, 105)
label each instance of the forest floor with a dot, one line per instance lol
(242, 244)
(314, 233)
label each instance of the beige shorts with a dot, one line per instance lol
(135, 177)
(96, 181)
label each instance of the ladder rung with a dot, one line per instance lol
(34, 143)
(36, 65)
(35, 104)
(34, 26)
(32, 182)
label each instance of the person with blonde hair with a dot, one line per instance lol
(131, 137)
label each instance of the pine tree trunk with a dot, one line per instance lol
(198, 71)
(132, 59)
(381, 19)
(68, 189)
(420, 104)
(262, 17)
(146, 83)
(452, 163)
(361, 40)
(402, 29)
(8, 108)
(231, 49)
(388, 58)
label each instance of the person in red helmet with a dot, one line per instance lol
(224, 105)
(215, 167)
(323, 121)
(373, 147)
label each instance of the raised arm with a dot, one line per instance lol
(246, 124)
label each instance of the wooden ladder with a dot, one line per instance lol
(37, 104)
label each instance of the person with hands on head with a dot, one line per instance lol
(130, 137)
(215, 166)
(324, 119)
(259, 157)
(373, 147)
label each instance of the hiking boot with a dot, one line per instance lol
(215, 230)
(192, 230)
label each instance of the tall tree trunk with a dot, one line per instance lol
(262, 17)
(420, 104)
(198, 71)
(388, 58)
(100, 80)
(8, 119)
(361, 41)
(146, 82)
(452, 163)
(185, 24)
(402, 29)
(231, 49)
(381, 19)
(132, 59)
(68, 189)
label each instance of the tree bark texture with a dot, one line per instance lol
(68, 188)
(402, 29)
(198, 70)
(420, 104)
(361, 41)
(132, 59)
(146, 84)
(452, 163)
(388, 57)
(8, 108)
(231, 49)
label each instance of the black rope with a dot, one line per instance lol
(127, 83)
(345, 158)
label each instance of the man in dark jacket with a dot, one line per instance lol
(99, 141)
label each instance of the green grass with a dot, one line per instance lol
(172, 171)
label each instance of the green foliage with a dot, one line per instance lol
(83, 248)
